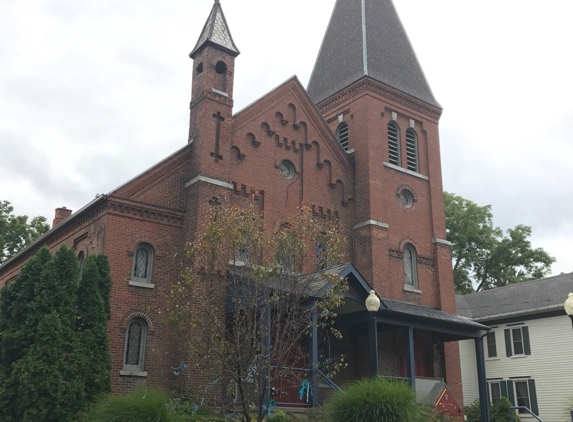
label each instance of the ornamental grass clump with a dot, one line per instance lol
(374, 400)
(147, 405)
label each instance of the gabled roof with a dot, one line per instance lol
(216, 33)
(529, 297)
(366, 38)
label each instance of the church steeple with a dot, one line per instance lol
(216, 33)
(366, 37)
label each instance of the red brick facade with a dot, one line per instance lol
(237, 158)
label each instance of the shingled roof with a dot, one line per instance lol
(366, 37)
(535, 296)
(216, 33)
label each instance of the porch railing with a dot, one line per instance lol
(512, 408)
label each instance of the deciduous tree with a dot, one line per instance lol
(484, 257)
(243, 310)
(16, 231)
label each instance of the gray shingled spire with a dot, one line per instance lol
(366, 37)
(216, 33)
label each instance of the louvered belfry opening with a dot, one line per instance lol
(393, 144)
(342, 135)
(412, 150)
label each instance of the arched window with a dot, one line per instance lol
(410, 269)
(412, 150)
(135, 345)
(321, 252)
(393, 143)
(81, 258)
(342, 135)
(142, 264)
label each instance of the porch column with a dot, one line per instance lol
(482, 382)
(410, 363)
(314, 356)
(373, 345)
(266, 329)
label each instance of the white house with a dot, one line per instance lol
(529, 350)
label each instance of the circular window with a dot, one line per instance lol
(286, 169)
(407, 198)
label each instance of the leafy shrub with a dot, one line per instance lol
(427, 414)
(374, 400)
(278, 416)
(147, 405)
(498, 412)
(316, 414)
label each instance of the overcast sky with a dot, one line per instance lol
(93, 92)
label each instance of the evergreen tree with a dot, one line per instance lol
(92, 325)
(54, 354)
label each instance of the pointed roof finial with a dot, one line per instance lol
(216, 33)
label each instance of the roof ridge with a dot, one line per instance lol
(520, 284)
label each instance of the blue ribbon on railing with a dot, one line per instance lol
(271, 405)
(305, 386)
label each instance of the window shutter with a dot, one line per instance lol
(526, 345)
(533, 396)
(510, 394)
(508, 349)
(503, 385)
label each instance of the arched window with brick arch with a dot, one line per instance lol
(393, 143)
(342, 135)
(412, 150)
(410, 268)
(135, 339)
(142, 264)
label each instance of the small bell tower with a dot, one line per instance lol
(212, 81)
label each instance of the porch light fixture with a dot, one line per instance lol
(568, 305)
(372, 304)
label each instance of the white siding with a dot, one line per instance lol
(550, 365)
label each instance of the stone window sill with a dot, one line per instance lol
(133, 373)
(140, 284)
(412, 289)
(403, 170)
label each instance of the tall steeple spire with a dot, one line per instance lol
(366, 37)
(216, 33)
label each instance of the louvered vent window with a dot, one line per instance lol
(342, 135)
(412, 150)
(393, 144)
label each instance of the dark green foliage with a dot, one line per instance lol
(105, 281)
(374, 400)
(16, 232)
(278, 416)
(483, 256)
(149, 405)
(92, 329)
(50, 368)
(498, 412)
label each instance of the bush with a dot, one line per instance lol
(498, 412)
(278, 416)
(147, 405)
(374, 400)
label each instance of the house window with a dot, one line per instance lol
(135, 346)
(491, 346)
(393, 143)
(517, 341)
(412, 150)
(494, 392)
(410, 270)
(522, 395)
(342, 135)
(521, 392)
(142, 264)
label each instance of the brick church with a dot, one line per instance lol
(360, 144)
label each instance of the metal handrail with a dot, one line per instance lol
(328, 381)
(512, 408)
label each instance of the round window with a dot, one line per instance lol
(286, 169)
(407, 198)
